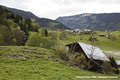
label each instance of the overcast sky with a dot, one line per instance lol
(55, 8)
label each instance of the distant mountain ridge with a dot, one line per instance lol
(100, 22)
(43, 22)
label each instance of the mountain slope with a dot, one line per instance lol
(43, 22)
(14, 30)
(101, 22)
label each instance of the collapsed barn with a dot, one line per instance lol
(91, 53)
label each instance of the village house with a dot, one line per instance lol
(70, 31)
(78, 31)
(102, 35)
(87, 30)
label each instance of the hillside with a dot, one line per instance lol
(43, 22)
(102, 42)
(14, 30)
(100, 22)
(33, 63)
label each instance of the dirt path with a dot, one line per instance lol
(117, 53)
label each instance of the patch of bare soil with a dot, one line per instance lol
(18, 56)
(32, 52)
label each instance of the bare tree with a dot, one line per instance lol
(93, 43)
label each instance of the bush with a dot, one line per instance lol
(1, 40)
(113, 37)
(92, 39)
(36, 40)
(53, 38)
(86, 32)
(6, 34)
(112, 62)
(61, 52)
(81, 62)
(63, 35)
(114, 65)
(33, 40)
(107, 67)
(44, 32)
(118, 36)
(19, 36)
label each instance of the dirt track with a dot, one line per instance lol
(112, 52)
(115, 54)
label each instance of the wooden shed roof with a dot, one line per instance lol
(92, 51)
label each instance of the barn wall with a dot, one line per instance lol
(76, 49)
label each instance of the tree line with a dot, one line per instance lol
(14, 29)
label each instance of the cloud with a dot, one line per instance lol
(109, 1)
(62, 12)
(72, 1)
(55, 8)
(19, 4)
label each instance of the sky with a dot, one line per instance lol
(53, 9)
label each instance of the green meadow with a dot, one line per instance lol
(102, 42)
(37, 63)
(34, 63)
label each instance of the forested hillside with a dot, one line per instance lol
(43, 22)
(14, 30)
(100, 22)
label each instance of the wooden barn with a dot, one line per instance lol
(87, 50)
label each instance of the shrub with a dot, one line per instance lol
(33, 40)
(6, 34)
(61, 52)
(53, 38)
(114, 65)
(118, 36)
(113, 37)
(19, 36)
(86, 32)
(1, 40)
(92, 39)
(36, 40)
(33, 27)
(107, 66)
(112, 62)
(81, 62)
(63, 35)
(44, 32)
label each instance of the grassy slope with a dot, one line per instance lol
(103, 42)
(28, 63)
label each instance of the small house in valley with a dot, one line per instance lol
(102, 35)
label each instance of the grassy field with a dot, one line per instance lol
(33, 63)
(102, 42)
